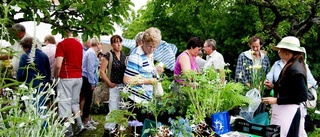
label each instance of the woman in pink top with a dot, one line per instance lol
(187, 60)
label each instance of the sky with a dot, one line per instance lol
(137, 5)
(44, 29)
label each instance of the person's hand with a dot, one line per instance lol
(269, 100)
(159, 69)
(269, 85)
(112, 85)
(248, 84)
(153, 81)
(93, 87)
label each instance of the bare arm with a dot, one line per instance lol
(185, 63)
(57, 66)
(103, 68)
(5, 57)
(140, 81)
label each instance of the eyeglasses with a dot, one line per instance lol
(150, 45)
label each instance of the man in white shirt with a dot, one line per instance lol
(213, 58)
(20, 32)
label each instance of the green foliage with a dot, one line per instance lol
(181, 127)
(208, 95)
(89, 17)
(102, 109)
(155, 107)
(22, 116)
(120, 117)
(21, 113)
(231, 23)
(311, 111)
(315, 133)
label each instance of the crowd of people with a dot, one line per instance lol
(78, 67)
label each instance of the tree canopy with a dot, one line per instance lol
(232, 22)
(89, 17)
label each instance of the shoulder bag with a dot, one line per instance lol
(101, 93)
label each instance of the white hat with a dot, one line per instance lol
(291, 43)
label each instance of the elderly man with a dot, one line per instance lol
(213, 58)
(20, 32)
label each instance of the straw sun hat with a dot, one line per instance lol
(291, 43)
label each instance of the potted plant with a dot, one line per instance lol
(208, 95)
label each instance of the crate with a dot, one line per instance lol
(242, 125)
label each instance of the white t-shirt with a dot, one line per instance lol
(215, 59)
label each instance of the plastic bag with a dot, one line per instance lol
(158, 90)
(255, 100)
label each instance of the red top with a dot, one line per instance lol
(71, 51)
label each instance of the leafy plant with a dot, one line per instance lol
(315, 133)
(180, 127)
(208, 95)
(21, 114)
(120, 117)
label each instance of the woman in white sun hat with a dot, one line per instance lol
(290, 90)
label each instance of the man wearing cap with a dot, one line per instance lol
(290, 90)
(251, 57)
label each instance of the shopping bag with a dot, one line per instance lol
(220, 122)
(254, 96)
(311, 98)
(100, 94)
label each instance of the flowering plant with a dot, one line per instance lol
(23, 115)
(258, 74)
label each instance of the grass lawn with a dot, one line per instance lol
(101, 118)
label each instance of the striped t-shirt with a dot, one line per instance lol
(139, 64)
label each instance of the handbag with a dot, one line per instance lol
(311, 98)
(101, 93)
